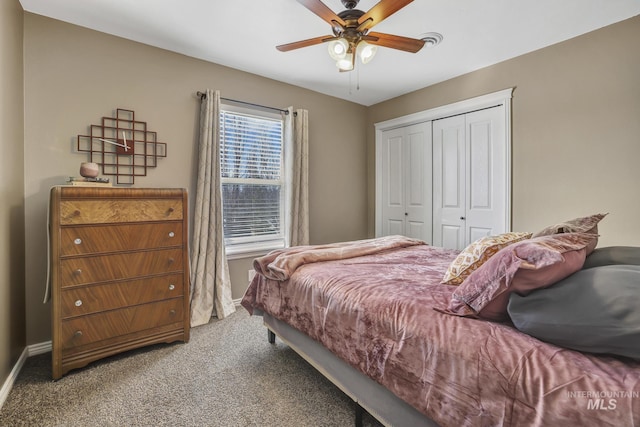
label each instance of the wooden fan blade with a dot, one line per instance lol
(304, 43)
(394, 42)
(380, 11)
(320, 9)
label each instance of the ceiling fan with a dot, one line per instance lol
(351, 36)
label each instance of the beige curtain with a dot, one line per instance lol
(296, 143)
(210, 283)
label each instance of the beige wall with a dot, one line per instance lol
(575, 129)
(12, 264)
(74, 76)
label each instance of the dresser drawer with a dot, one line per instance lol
(78, 301)
(104, 268)
(97, 327)
(119, 210)
(92, 239)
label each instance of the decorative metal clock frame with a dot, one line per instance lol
(122, 146)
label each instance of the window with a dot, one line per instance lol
(251, 163)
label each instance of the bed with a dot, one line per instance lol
(375, 318)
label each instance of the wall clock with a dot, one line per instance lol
(123, 146)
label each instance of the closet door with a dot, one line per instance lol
(393, 184)
(469, 168)
(449, 177)
(406, 181)
(486, 174)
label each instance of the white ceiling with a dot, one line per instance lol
(242, 34)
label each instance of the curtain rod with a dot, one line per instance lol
(203, 95)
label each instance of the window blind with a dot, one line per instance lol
(251, 147)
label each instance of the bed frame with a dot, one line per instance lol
(367, 394)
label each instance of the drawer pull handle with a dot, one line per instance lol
(171, 261)
(172, 286)
(78, 271)
(172, 234)
(78, 303)
(77, 334)
(172, 312)
(76, 213)
(170, 210)
(77, 241)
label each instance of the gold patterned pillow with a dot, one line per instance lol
(477, 253)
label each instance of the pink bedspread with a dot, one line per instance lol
(376, 313)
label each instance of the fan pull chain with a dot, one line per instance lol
(357, 81)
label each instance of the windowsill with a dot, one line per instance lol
(251, 251)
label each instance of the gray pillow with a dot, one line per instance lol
(596, 310)
(611, 255)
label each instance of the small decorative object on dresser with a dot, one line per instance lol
(89, 170)
(119, 271)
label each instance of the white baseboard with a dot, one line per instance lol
(31, 350)
(8, 384)
(40, 348)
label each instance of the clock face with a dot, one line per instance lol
(123, 146)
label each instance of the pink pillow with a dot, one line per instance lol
(526, 281)
(587, 224)
(521, 267)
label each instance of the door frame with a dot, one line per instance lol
(500, 98)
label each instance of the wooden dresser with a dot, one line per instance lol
(119, 271)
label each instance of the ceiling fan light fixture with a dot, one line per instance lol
(346, 63)
(366, 51)
(338, 49)
(351, 28)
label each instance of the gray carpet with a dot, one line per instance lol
(227, 375)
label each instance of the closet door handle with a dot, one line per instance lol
(462, 218)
